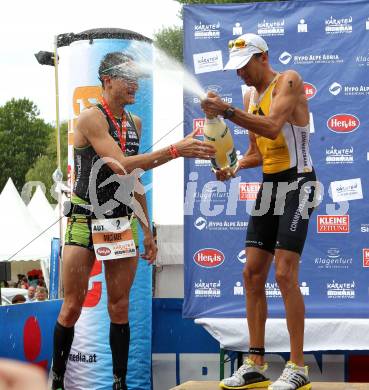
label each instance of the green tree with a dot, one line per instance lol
(23, 138)
(46, 164)
(170, 39)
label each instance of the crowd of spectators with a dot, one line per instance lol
(35, 285)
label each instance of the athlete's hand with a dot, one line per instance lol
(192, 147)
(151, 249)
(213, 105)
(18, 376)
(226, 173)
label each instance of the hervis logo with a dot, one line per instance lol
(310, 90)
(198, 125)
(103, 251)
(209, 258)
(343, 123)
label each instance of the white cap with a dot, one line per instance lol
(240, 56)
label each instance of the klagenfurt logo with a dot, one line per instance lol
(209, 257)
(333, 223)
(343, 123)
(103, 251)
(310, 90)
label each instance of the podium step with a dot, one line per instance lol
(214, 385)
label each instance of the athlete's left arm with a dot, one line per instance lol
(287, 93)
(149, 242)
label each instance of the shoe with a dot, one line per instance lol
(292, 378)
(248, 376)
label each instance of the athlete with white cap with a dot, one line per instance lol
(277, 116)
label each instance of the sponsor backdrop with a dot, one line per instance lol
(327, 42)
(89, 365)
(27, 331)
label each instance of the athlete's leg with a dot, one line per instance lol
(119, 275)
(77, 265)
(255, 275)
(252, 373)
(292, 232)
(287, 267)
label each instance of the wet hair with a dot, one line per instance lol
(112, 65)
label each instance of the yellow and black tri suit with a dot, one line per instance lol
(275, 224)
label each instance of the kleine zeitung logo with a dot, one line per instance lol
(365, 257)
(198, 125)
(310, 90)
(333, 223)
(209, 258)
(343, 123)
(249, 191)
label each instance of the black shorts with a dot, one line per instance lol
(280, 217)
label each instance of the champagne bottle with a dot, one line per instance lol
(217, 133)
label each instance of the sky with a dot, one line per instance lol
(30, 26)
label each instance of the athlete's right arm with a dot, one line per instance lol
(252, 158)
(93, 126)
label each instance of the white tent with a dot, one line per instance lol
(18, 229)
(42, 212)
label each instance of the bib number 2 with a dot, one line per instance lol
(113, 238)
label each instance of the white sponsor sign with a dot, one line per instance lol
(208, 62)
(345, 190)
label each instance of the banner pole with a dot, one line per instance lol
(58, 152)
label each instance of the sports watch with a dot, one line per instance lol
(229, 112)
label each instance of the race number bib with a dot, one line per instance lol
(112, 238)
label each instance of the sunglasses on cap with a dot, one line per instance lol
(240, 43)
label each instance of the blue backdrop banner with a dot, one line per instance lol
(27, 331)
(54, 269)
(327, 42)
